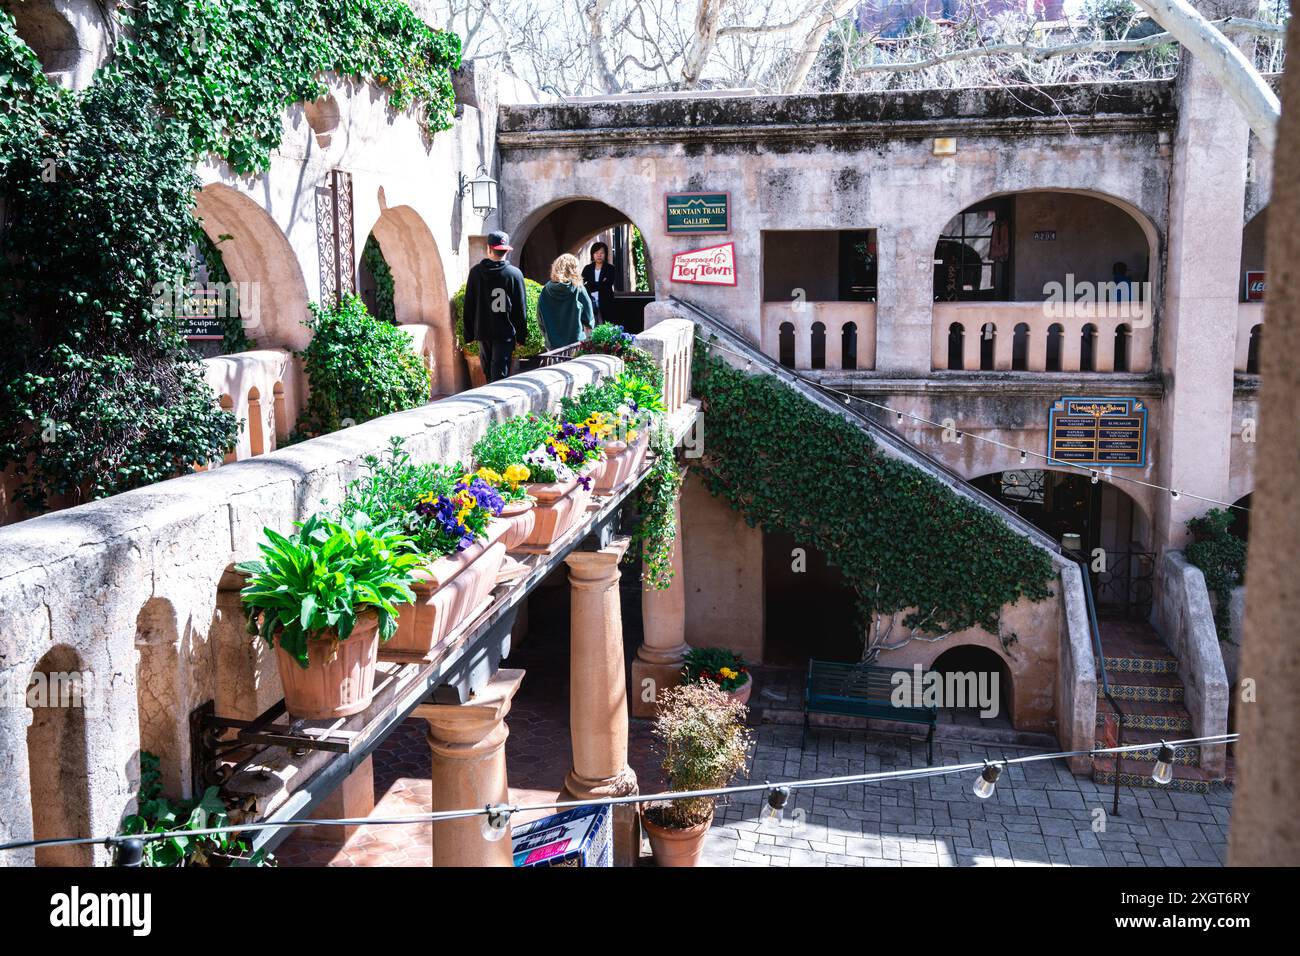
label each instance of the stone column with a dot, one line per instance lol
(658, 662)
(598, 693)
(469, 770)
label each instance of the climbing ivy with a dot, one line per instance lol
(98, 391)
(233, 337)
(639, 261)
(1221, 556)
(228, 69)
(372, 257)
(903, 541)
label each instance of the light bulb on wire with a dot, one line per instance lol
(777, 798)
(496, 822)
(987, 780)
(1164, 769)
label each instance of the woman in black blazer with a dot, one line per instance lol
(602, 287)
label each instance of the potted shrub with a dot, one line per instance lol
(555, 460)
(610, 339)
(325, 597)
(706, 743)
(449, 517)
(723, 667)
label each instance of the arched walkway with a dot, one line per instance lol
(273, 299)
(1040, 280)
(420, 294)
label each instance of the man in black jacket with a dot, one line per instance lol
(494, 308)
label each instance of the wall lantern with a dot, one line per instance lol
(482, 189)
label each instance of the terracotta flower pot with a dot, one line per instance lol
(741, 693)
(518, 517)
(339, 679)
(674, 847)
(557, 507)
(622, 462)
(477, 377)
(447, 591)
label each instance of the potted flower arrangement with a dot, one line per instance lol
(725, 668)
(325, 597)
(448, 516)
(702, 730)
(621, 411)
(558, 459)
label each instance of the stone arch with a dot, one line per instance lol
(977, 659)
(58, 764)
(70, 37)
(420, 294)
(564, 225)
(258, 253)
(163, 719)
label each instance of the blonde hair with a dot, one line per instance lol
(565, 269)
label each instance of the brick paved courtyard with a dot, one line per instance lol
(1040, 815)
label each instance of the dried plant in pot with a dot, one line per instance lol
(325, 597)
(706, 744)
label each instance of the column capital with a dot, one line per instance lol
(597, 570)
(474, 720)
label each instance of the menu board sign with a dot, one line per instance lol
(1098, 431)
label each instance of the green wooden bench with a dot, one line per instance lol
(861, 690)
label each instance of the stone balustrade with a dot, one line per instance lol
(811, 335)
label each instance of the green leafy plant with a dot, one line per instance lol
(359, 367)
(439, 507)
(705, 744)
(155, 813)
(640, 261)
(373, 259)
(656, 529)
(506, 443)
(234, 338)
(536, 340)
(610, 339)
(315, 583)
(903, 541)
(724, 667)
(626, 391)
(1221, 556)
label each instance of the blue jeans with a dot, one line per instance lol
(494, 355)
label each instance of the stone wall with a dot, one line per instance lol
(137, 590)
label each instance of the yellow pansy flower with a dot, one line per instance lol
(517, 473)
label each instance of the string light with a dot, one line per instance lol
(987, 780)
(1023, 453)
(1095, 477)
(1164, 769)
(777, 798)
(496, 817)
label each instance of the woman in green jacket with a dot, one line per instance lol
(564, 308)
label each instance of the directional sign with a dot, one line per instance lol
(1098, 431)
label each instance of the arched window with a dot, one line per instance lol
(988, 339)
(1123, 340)
(849, 345)
(956, 346)
(1088, 348)
(256, 437)
(1055, 333)
(1020, 348)
(818, 345)
(786, 344)
(1252, 353)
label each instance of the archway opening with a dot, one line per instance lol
(977, 688)
(988, 346)
(1098, 520)
(1253, 257)
(800, 584)
(56, 757)
(818, 345)
(575, 226)
(849, 346)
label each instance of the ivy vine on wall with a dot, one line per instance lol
(98, 392)
(1221, 556)
(903, 540)
(372, 257)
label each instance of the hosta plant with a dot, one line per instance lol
(315, 583)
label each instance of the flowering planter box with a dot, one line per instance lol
(622, 462)
(518, 517)
(557, 508)
(339, 679)
(447, 593)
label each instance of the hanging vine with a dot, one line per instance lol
(98, 391)
(903, 541)
(372, 257)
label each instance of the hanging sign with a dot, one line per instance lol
(694, 214)
(201, 313)
(715, 265)
(1098, 431)
(1255, 286)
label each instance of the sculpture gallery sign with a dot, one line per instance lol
(687, 214)
(715, 265)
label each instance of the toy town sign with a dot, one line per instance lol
(715, 265)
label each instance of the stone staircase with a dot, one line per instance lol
(1144, 682)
